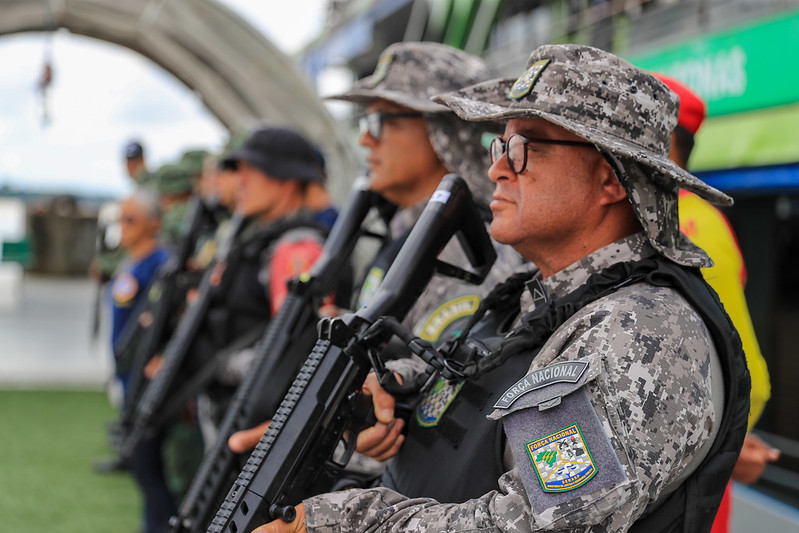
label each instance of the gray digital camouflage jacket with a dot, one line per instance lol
(613, 410)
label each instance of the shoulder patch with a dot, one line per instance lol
(524, 84)
(125, 288)
(567, 372)
(447, 313)
(562, 460)
(436, 402)
(563, 453)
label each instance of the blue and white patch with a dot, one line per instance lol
(567, 372)
(524, 84)
(124, 289)
(562, 460)
(436, 402)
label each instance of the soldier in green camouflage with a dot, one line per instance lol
(175, 184)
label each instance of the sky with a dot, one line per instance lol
(102, 95)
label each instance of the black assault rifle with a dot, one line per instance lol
(165, 297)
(149, 413)
(321, 411)
(280, 353)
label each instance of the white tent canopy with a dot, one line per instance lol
(241, 77)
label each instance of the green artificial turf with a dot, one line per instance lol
(48, 443)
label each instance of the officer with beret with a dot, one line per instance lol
(632, 403)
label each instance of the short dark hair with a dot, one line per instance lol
(683, 143)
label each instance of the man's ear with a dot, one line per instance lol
(611, 190)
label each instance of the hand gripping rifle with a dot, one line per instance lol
(148, 411)
(289, 337)
(137, 344)
(321, 411)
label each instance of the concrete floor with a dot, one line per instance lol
(45, 335)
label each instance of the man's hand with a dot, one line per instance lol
(752, 461)
(279, 526)
(383, 440)
(247, 439)
(153, 366)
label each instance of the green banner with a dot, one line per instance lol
(749, 67)
(757, 138)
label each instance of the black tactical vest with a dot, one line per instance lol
(452, 464)
(242, 302)
(448, 431)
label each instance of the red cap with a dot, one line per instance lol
(692, 108)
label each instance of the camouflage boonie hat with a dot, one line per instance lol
(172, 180)
(193, 161)
(624, 111)
(409, 74)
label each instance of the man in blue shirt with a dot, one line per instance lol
(140, 220)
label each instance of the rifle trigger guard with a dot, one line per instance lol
(453, 370)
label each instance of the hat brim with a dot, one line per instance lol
(493, 107)
(364, 96)
(275, 167)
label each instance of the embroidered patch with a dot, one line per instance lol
(370, 285)
(436, 402)
(537, 291)
(125, 288)
(447, 313)
(524, 84)
(562, 460)
(380, 70)
(567, 372)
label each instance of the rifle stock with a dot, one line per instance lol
(295, 455)
(148, 409)
(289, 337)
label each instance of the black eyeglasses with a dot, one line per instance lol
(515, 149)
(128, 219)
(373, 122)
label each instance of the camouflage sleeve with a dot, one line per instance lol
(589, 453)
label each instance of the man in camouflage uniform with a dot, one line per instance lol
(412, 144)
(622, 400)
(175, 185)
